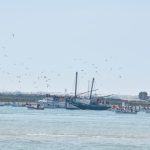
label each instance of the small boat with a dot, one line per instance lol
(37, 107)
(125, 112)
(2, 104)
(147, 111)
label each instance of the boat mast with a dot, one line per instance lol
(92, 88)
(88, 88)
(76, 82)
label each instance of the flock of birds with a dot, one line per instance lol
(43, 77)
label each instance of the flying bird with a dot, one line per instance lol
(13, 35)
(120, 76)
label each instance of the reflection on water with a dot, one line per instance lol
(60, 129)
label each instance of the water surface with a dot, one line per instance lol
(60, 129)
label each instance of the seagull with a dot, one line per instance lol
(18, 76)
(47, 85)
(120, 76)
(27, 68)
(5, 55)
(119, 68)
(13, 35)
(3, 47)
(106, 60)
(34, 82)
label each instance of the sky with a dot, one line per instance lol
(44, 42)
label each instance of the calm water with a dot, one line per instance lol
(59, 129)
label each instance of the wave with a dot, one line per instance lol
(55, 135)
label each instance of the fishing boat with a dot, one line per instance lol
(90, 106)
(85, 106)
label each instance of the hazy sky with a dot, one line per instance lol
(44, 42)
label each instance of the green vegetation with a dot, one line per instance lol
(10, 97)
(143, 96)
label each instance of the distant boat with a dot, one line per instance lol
(125, 112)
(37, 107)
(147, 111)
(76, 102)
(52, 102)
(49, 102)
(1, 104)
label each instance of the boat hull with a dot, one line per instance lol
(37, 108)
(89, 106)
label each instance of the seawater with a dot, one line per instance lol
(60, 129)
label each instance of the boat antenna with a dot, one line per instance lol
(76, 82)
(92, 88)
